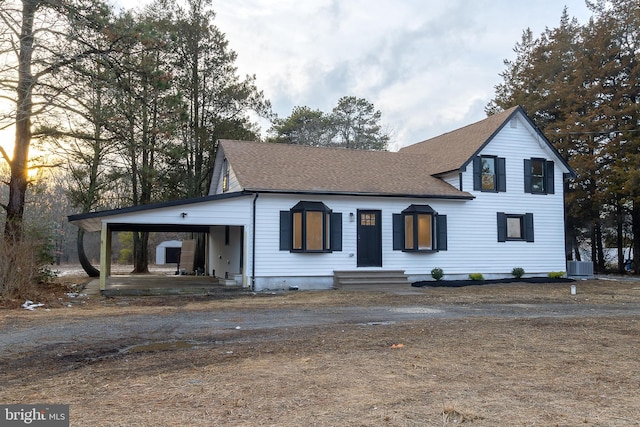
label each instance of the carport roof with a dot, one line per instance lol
(92, 221)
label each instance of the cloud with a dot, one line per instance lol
(430, 66)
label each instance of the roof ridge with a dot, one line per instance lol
(506, 112)
(304, 146)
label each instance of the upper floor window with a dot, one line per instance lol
(419, 229)
(310, 227)
(489, 174)
(538, 176)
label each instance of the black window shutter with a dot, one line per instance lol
(477, 173)
(285, 230)
(527, 175)
(550, 184)
(501, 170)
(398, 232)
(502, 227)
(528, 227)
(336, 232)
(441, 230)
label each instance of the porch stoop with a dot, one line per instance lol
(345, 279)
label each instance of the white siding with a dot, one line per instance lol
(225, 257)
(234, 185)
(452, 179)
(283, 268)
(472, 226)
(475, 242)
(473, 245)
(218, 172)
(232, 211)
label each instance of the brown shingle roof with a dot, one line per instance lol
(293, 168)
(411, 171)
(450, 151)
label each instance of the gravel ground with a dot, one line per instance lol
(488, 355)
(22, 334)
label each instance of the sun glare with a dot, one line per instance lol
(7, 137)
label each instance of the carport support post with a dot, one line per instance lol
(105, 255)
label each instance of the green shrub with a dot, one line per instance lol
(126, 256)
(517, 272)
(437, 273)
(556, 274)
(476, 276)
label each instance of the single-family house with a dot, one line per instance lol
(481, 199)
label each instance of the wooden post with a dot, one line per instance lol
(105, 256)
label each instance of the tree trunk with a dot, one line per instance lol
(140, 258)
(635, 221)
(620, 237)
(594, 252)
(24, 106)
(600, 248)
(82, 256)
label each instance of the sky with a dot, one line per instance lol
(430, 66)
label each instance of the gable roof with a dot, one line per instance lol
(270, 167)
(452, 150)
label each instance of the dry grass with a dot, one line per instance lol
(477, 372)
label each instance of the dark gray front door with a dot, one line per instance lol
(369, 239)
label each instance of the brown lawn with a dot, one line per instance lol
(486, 371)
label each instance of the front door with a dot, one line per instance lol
(369, 239)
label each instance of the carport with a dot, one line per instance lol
(222, 236)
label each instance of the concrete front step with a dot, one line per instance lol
(369, 278)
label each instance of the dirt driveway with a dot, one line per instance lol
(482, 355)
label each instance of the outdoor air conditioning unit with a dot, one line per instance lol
(580, 268)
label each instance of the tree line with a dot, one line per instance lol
(580, 83)
(353, 123)
(131, 103)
